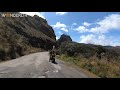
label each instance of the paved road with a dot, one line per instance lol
(37, 66)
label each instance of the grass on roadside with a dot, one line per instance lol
(102, 68)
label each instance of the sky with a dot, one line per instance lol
(100, 28)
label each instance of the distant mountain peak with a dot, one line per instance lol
(64, 38)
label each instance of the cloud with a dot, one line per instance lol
(81, 29)
(61, 13)
(74, 24)
(40, 14)
(87, 39)
(96, 39)
(86, 24)
(103, 26)
(57, 38)
(116, 44)
(102, 40)
(108, 23)
(64, 29)
(60, 26)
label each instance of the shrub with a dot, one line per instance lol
(74, 49)
(19, 50)
(99, 51)
(2, 54)
(12, 52)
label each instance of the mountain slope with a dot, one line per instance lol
(24, 35)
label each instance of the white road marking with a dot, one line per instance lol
(47, 72)
(41, 76)
(55, 71)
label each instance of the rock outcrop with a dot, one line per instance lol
(64, 38)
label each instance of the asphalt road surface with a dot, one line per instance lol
(37, 65)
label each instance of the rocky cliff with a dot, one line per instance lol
(64, 38)
(24, 35)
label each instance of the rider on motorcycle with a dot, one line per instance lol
(52, 55)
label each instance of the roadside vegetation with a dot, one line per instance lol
(13, 46)
(99, 60)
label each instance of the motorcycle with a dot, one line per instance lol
(52, 58)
